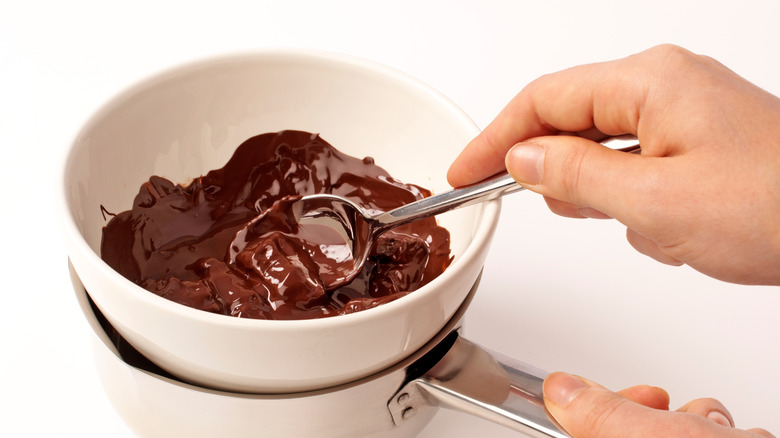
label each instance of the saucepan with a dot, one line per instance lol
(448, 371)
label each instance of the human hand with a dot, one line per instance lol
(587, 410)
(705, 190)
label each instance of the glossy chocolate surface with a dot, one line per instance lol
(176, 239)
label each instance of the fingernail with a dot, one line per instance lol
(592, 213)
(562, 388)
(525, 162)
(719, 418)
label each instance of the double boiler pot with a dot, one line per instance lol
(170, 369)
(449, 371)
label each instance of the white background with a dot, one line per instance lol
(558, 293)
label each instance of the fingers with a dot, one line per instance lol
(650, 396)
(710, 409)
(605, 97)
(584, 178)
(587, 410)
(714, 410)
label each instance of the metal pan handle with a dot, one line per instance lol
(472, 379)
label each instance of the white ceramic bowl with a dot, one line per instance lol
(189, 120)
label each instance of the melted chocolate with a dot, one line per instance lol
(176, 240)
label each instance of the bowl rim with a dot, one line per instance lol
(488, 213)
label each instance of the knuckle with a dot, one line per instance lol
(674, 58)
(599, 421)
(572, 173)
(668, 49)
(534, 95)
(709, 401)
(669, 53)
(491, 141)
(541, 81)
(669, 58)
(693, 426)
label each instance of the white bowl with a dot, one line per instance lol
(189, 120)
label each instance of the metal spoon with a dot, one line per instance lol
(360, 229)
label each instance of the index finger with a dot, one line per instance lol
(606, 96)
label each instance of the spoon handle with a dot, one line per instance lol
(486, 190)
(491, 188)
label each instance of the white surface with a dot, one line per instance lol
(561, 294)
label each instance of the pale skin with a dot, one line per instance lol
(705, 192)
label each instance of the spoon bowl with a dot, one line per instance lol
(359, 229)
(353, 225)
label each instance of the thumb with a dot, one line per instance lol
(577, 171)
(587, 410)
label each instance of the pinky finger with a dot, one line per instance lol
(710, 409)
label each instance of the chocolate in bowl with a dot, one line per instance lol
(178, 241)
(188, 120)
